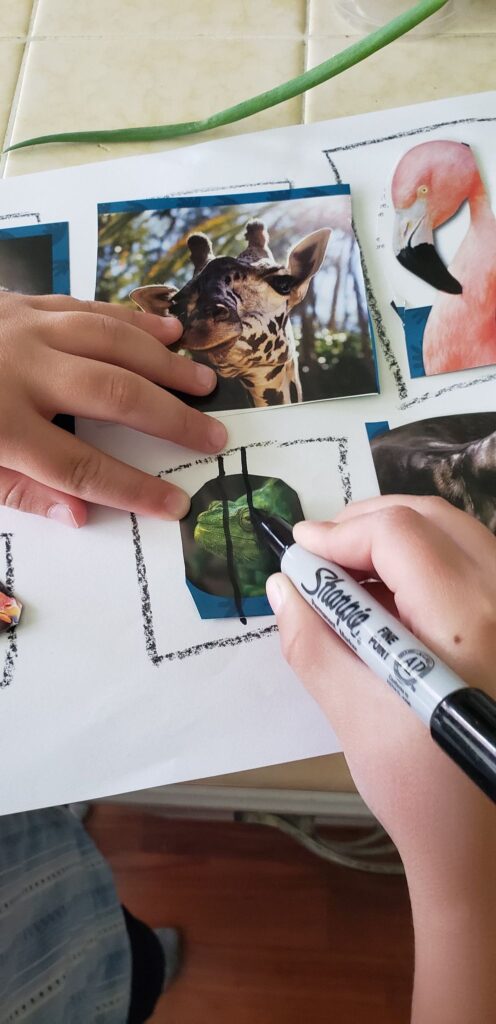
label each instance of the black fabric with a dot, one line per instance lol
(148, 969)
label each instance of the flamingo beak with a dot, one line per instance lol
(413, 244)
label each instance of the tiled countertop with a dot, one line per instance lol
(82, 64)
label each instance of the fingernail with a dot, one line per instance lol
(217, 435)
(205, 376)
(274, 594)
(62, 514)
(176, 505)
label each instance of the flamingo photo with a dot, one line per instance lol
(431, 183)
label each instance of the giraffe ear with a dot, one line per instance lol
(304, 260)
(154, 298)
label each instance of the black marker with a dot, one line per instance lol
(462, 720)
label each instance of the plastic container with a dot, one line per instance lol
(367, 15)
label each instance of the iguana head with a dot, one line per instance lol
(210, 534)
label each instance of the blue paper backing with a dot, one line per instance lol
(273, 196)
(211, 606)
(414, 320)
(374, 429)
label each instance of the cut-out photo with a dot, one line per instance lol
(433, 182)
(226, 565)
(268, 286)
(34, 260)
(453, 457)
(307, 476)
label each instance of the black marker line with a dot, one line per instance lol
(373, 305)
(209, 459)
(17, 216)
(231, 567)
(460, 385)
(217, 189)
(211, 645)
(247, 481)
(409, 132)
(12, 649)
(146, 606)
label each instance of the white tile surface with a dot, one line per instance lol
(171, 18)
(402, 73)
(10, 62)
(14, 18)
(81, 83)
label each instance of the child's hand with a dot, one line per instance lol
(438, 567)
(58, 355)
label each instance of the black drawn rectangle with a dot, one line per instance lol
(7, 576)
(144, 592)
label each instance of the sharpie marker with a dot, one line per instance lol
(462, 720)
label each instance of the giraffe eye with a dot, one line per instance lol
(282, 283)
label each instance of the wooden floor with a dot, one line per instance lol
(274, 935)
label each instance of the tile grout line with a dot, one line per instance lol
(17, 92)
(306, 35)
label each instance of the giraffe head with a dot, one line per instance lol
(226, 294)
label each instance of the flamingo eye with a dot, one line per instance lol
(423, 190)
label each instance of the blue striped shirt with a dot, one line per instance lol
(64, 951)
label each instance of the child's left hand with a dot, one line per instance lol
(100, 361)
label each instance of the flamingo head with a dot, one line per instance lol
(429, 185)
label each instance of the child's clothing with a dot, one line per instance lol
(65, 954)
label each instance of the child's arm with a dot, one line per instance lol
(438, 568)
(102, 361)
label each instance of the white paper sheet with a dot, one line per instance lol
(90, 709)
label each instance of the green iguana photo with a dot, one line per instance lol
(253, 564)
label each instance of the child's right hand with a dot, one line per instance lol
(90, 359)
(438, 571)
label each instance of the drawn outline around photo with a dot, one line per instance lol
(146, 606)
(10, 637)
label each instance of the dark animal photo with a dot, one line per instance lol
(34, 260)
(453, 457)
(270, 293)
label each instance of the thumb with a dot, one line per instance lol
(329, 670)
(20, 492)
(308, 645)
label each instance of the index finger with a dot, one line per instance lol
(393, 543)
(167, 329)
(468, 532)
(64, 462)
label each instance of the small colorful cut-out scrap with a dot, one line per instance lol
(10, 610)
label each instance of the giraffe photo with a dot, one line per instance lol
(268, 287)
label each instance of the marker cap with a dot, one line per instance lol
(464, 725)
